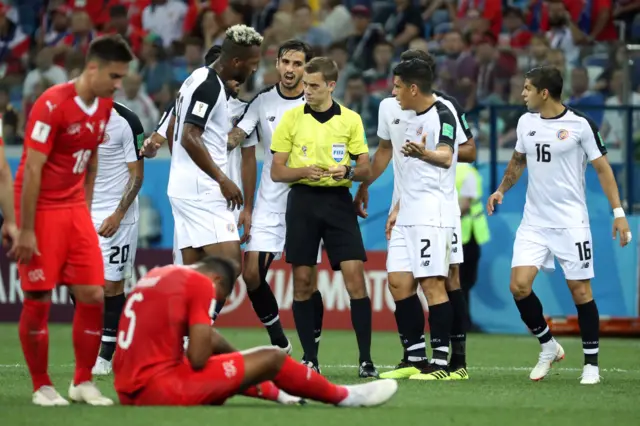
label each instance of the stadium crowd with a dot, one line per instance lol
(483, 47)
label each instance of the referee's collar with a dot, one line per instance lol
(324, 116)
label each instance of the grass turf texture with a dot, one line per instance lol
(498, 393)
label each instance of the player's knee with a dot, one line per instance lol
(581, 291)
(89, 294)
(251, 278)
(453, 281)
(113, 288)
(38, 296)
(353, 276)
(519, 288)
(434, 290)
(401, 285)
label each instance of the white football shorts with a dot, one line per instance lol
(119, 251)
(536, 246)
(420, 249)
(268, 231)
(456, 257)
(203, 222)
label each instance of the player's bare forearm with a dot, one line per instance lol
(6, 190)
(132, 188)
(193, 144)
(90, 178)
(607, 181)
(381, 160)
(31, 188)
(362, 172)
(249, 173)
(280, 172)
(516, 166)
(442, 156)
(236, 136)
(467, 151)
(465, 205)
(220, 344)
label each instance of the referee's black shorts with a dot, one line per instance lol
(322, 213)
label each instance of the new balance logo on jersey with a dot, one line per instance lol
(532, 133)
(271, 118)
(396, 121)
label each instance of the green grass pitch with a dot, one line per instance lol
(498, 393)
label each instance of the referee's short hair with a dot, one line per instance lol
(325, 66)
(410, 54)
(295, 46)
(546, 77)
(416, 72)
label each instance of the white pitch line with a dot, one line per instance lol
(471, 368)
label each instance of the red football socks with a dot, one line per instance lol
(87, 332)
(34, 338)
(265, 390)
(299, 380)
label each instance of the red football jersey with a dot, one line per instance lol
(158, 313)
(61, 126)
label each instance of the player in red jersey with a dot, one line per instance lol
(56, 241)
(9, 230)
(151, 368)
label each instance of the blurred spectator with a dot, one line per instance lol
(379, 78)
(435, 13)
(305, 31)
(14, 46)
(139, 102)
(597, 21)
(495, 69)
(458, 73)
(8, 116)
(592, 103)
(53, 32)
(357, 99)
(538, 50)
(206, 28)
(618, 57)
(563, 34)
(517, 33)
(165, 18)
(337, 21)
(192, 60)
(627, 11)
(281, 30)
(556, 58)
(404, 24)
(338, 53)
(45, 69)
(81, 33)
(614, 130)
(119, 23)
(510, 117)
(38, 89)
(489, 11)
(365, 36)
(155, 69)
(263, 13)
(234, 15)
(196, 7)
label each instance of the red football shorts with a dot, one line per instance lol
(69, 251)
(220, 379)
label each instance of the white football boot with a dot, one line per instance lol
(88, 393)
(551, 352)
(102, 367)
(370, 394)
(590, 375)
(288, 350)
(47, 396)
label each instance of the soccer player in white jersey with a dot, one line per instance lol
(267, 236)
(554, 144)
(202, 195)
(114, 211)
(420, 227)
(392, 124)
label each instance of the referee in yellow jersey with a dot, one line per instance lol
(313, 146)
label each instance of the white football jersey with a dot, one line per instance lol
(163, 124)
(123, 138)
(236, 109)
(263, 114)
(202, 101)
(427, 192)
(557, 151)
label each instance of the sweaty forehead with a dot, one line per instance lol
(293, 56)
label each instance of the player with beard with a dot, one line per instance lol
(202, 195)
(267, 235)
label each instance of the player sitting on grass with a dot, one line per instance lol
(150, 366)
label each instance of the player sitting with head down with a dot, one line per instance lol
(555, 143)
(151, 368)
(57, 243)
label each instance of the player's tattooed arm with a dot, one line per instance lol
(193, 144)
(516, 166)
(132, 188)
(236, 136)
(90, 178)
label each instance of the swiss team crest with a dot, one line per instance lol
(419, 131)
(562, 134)
(338, 151)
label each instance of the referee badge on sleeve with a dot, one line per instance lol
(337, 151)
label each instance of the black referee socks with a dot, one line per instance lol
(410, 321)
(112, 309)
(589, 321)
(532, 315)
(458, 327)
(318, 313)
(266, 307)
(361, 320)
(303, 315)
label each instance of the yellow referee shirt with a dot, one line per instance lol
(325, 139)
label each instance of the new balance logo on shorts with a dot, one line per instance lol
(585, 265)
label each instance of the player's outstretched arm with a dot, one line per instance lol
(514, 171)
(235, 138)
(610, 188)
(90, 177)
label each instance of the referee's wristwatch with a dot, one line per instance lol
(349, 173)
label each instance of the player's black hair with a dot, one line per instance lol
(238, 41)
(225, 268)
(546, 77)
(416, 72)
(325, 66)
(212, 55)
(296, 46)
(110, 48)
(410, 54)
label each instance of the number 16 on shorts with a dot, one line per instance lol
(422, 250)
